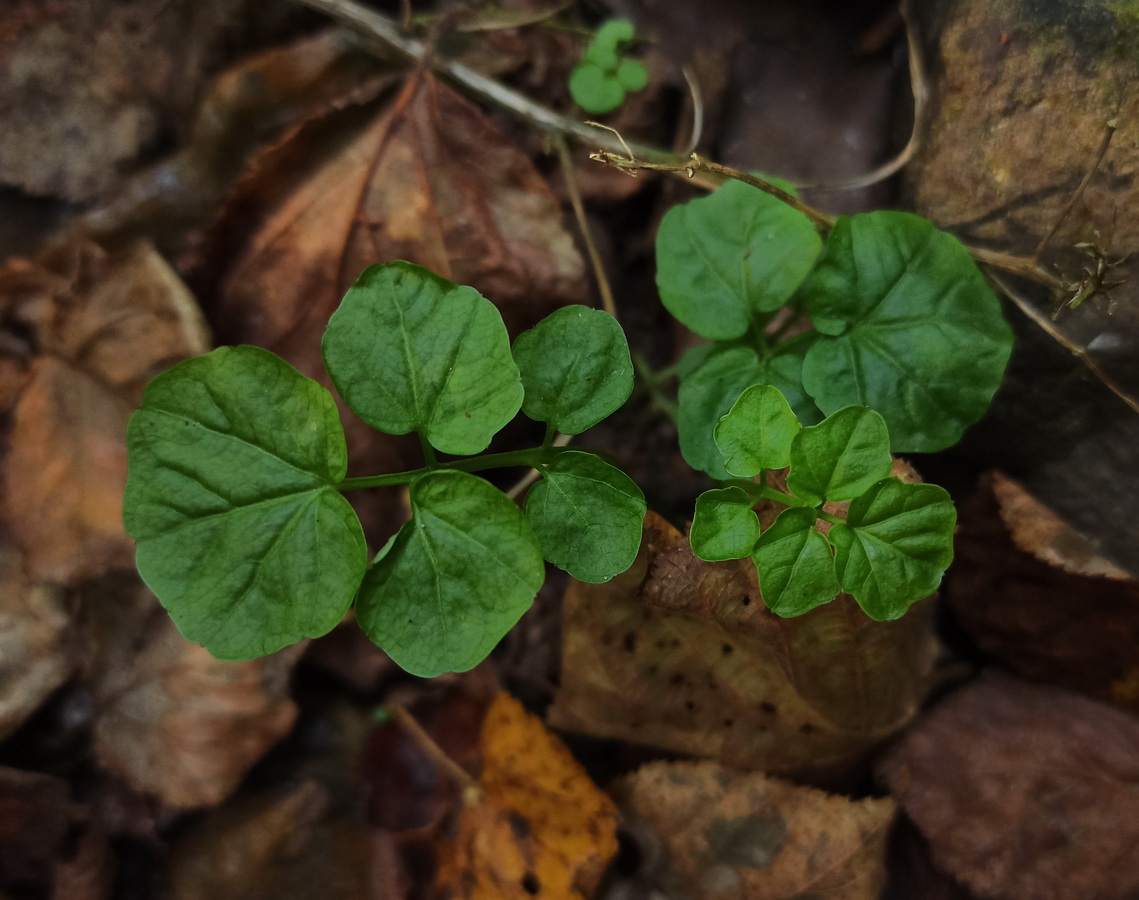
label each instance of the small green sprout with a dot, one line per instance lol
(604, 76)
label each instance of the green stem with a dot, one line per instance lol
(830, 517)
(511, 459)
(428, 452)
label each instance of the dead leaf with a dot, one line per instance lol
(35, 654)
(173, 721)
(717, 675)
(734, 836)
(537, 825)
(1025, 792)
(1045, 624)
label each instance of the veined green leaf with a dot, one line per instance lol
(757, 431)
(233, 459)
(575, 368)
(454, 580)
(587, 516)
(410, 351)
(724, 525)
(710, 389)
(896, 544)
(724, 258)
(840, 457)
(795, 566)
(909, 328)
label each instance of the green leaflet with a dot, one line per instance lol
(724, 525)
(575, 368)
(757, 432)
(410, 351)
(726, 259)
(909, 328)
(587, 516)
(895, 545)
(795, 566)
(233, 459)
(455, 578)
(710, 387)
(840, 457)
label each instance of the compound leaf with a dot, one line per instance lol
(233, 459)
(410, 351)
(575, 368)
(909, 328)
(795, 565)
(724, 525)
(713, 379)
(756, 433)
(587, 516)
(841, 457)
(724, 258)
(454, 579)
(896, 544)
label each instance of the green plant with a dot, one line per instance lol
(604, 76)
(238, 467)
(889, 551)
(903, 321)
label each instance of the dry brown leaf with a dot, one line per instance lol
(537, 825)
(720, 676)
(1025, 792)
(734, 836)
(35, 655)
(173, 721)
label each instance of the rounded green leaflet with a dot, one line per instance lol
(757, 431)
(234, 459)
(795, 566)
(728, 257)
(724, 525)
(594, 89)
(908, 327)
(587, 516)
(410, 351)
(454, 579)
(632, 75)
(895, 546)
(575, 368)
(840, 457)
(715, 377)
(613, 33)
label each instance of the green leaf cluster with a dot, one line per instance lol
(238, 465)
(889, 552)
(604, 76)
(904, 322)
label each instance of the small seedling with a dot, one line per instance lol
(604, 76)
(890, 550)
(904, 322)
(238, 466)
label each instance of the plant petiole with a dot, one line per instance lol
(531, 458)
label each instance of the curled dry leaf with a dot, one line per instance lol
(536, 826)
(1025, 792)
(681, 654)
(1044, 623)
(735, 836)
(35, 655)
(173, 721)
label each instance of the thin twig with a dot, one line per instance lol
(427, 744)
(697, 108)
(603, 288)
(1064, 341)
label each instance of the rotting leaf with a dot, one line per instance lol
(1025, 792)
(734, 836)
(538, 827)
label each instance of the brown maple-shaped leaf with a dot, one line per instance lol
(681, 654)
(1025, 792)
(734, 836)
(536, 825)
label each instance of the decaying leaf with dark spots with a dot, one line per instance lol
(735, 836)
(1025, 792)
(681, 654)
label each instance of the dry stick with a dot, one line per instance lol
(603, 286)
(427, 744)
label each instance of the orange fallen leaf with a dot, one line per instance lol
(536, 826)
